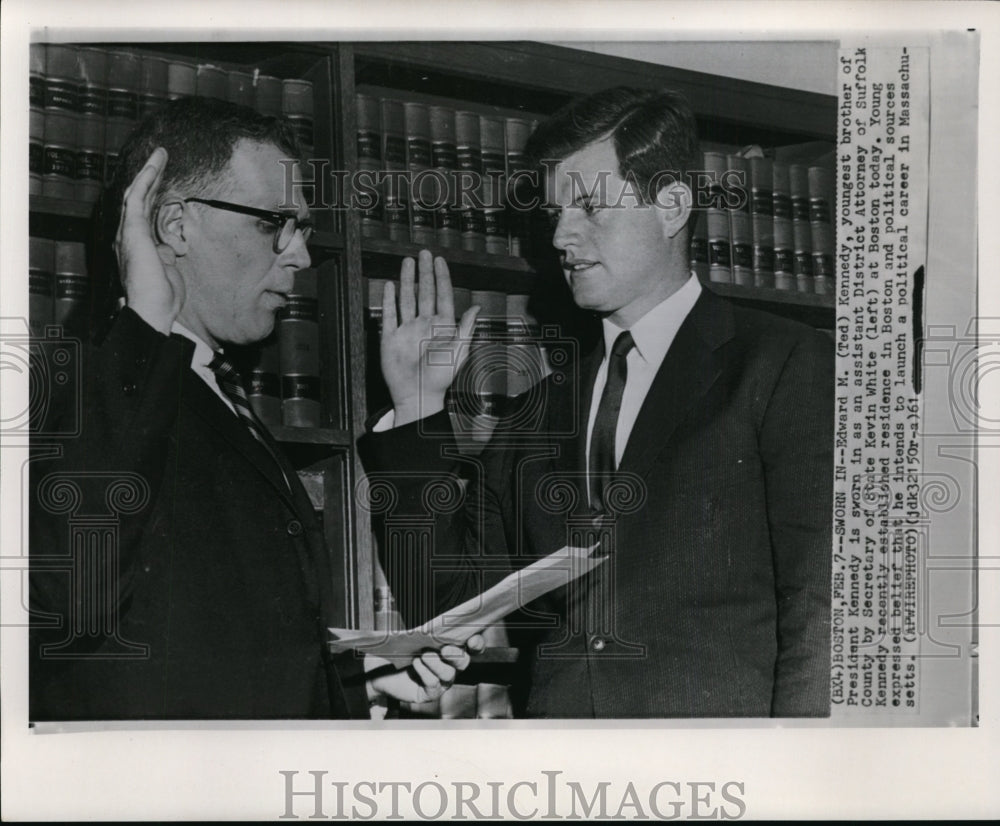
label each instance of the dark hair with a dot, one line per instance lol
(199, 135)
(653, 131)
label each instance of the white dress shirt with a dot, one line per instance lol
(203, 355)
(653, 334)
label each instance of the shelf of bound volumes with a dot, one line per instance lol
(285, 383)
(86, 99)
(439, 129)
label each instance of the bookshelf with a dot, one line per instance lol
(508, 80)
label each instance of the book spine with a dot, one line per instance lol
(444, 159)
(740, 227)
(211, 82)
(420, 187)
(494, 214)
(699, 246)
(394, 206)
(36, 150)
(298, 352)
(491, 132)
(124, 76)
(94, 82)
(41, 283)
(719, 246)
(468, 142)
(469, 155)
(63, 78)
(762, 218)
(821, 228)
(182, 80)
(116, 131)
(784, 249)
(718, 239)
(798, 177)
(268, 96)
(516, 133)
(72, 287)
(264, 382)
(90, 159)
(62, 129)
(298, 108)
(369, 147)
(240, 88)
(153, 84)
(38, 55)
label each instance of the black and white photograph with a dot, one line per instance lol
(396, 418)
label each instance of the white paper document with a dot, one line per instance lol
(455, 626)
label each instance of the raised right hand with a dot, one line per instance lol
(153, 286)
(423, 348)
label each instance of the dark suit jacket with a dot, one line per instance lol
(715, 600)
(217, 604)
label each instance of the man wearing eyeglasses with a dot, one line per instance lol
(211, 596)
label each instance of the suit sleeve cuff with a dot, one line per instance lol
(426, 445)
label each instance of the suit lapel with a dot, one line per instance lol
(208, 406)
(690, 368)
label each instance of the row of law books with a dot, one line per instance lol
(283, 383)
(439, 176)
(86, 100)
(58, 286)
(765, 224)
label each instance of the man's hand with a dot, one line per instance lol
(423, 349)
(427, 677)
(153, 287)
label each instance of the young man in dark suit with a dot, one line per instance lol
(210, 593)
(697, 439)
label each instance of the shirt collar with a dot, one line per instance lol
(203, 354)
(654, 332)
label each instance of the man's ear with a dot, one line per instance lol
(673, 201)
(168, 227)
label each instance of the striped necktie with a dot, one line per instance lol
(229, 381)
(602, 439)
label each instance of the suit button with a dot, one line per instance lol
(294, 528)
(128, 388)
(597, 644)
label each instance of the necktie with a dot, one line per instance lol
(229, 381)
(602, 440)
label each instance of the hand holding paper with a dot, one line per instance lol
(456, 626)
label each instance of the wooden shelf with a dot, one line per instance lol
(311, 435)
(476, 270)
(537, 77)
(62, 207)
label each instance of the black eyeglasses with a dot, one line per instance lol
(285, 225)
